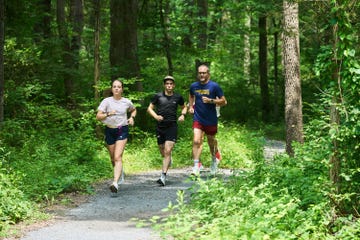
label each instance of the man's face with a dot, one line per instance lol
(203, 74)
(169, 85)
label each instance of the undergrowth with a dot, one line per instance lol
(286, 198)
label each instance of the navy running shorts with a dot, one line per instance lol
(114, 134)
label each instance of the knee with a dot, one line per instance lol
(117, 159)
(197, 143)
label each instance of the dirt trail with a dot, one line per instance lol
(105, 216)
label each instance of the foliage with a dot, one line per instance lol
(43, 141)
(63, 151)
(340, 64)
(286, 198)
(14, 206)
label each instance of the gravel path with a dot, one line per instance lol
(106, 216)
(109, 216)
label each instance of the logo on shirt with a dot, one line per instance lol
(203, 91)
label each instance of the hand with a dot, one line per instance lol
(159, 118)
(181, 118)
(113, 112)
(131, 121)
(191, 110)
(206, 99)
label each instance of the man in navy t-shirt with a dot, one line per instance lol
(204, 96)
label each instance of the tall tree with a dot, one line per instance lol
(2, 40)
(188, 26)
(216, 20)
(202, 23)
(71, 41)
(123, 40)
(43, 26)
(247, 47)
(263, 68)
(291, 58)
(276, 69)
(164, 21)
(97, 9)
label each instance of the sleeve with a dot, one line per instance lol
(154, 99)
(191, 90)
(219, 91)
(103, 106)
(131, 105)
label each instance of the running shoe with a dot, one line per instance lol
(218, 156)
(114, 187)
(201, 168)
(196, 169)
(162, 180)
(122, 177)
(214, 166)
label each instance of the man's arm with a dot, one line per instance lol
(151, 111)
(191, 103)
(183, 113)
(220, 101)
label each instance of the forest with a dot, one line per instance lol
(289, 70)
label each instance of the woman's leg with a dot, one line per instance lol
(118, 153)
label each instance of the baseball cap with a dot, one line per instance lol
(169, 78)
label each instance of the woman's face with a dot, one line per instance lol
(117, 88)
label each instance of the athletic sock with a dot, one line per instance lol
(196, 162)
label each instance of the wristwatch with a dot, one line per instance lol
(212, 100)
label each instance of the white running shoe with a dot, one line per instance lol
(214, 166)
(196, 169)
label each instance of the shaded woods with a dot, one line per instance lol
(289, 70)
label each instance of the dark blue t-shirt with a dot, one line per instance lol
(205, 113)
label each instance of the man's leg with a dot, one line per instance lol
(168, 147)
(197, 149)
(212, 142)
(166, 152)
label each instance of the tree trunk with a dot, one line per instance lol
(2, 42)
(71, 44)
(291, 58)
(247, 49)
(123, 41)
(97, 9)
(216, 21)
(77, 20)
(63, 35)
(202, 23)
(335, 162)
(276, 71)
(263, 70)
(187, 37)
(43, 27)
(164, 21)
